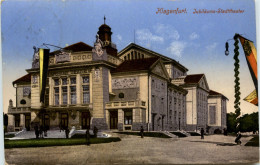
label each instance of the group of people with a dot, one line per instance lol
(40, 132)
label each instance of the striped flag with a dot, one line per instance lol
(44, 62)
(251, 59)
(252, 98)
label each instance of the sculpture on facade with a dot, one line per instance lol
(98, 47)
(35, 63)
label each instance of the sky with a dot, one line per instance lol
(197, 41)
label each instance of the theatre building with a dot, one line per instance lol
(99, 86)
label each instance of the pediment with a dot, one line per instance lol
(159, 70)
(203, 83)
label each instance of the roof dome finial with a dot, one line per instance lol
(104, 19)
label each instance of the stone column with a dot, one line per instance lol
(22, 120)
(100, 96)
(10, 127)
(137, 119)
(120, 120)
(78, 89)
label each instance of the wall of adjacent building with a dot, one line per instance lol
(202, 108)
(22, 95)
(35, 91)
(176, 110)
(220, 116)
(224, 113)
(191, 107)
(158, 103)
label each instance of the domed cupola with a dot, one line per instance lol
(105, 33)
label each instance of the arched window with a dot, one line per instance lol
(22, 102)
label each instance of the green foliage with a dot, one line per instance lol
(179, 134)
(55, 142)
(231, 122)
(75, 136)
(194, 134)
(248, 122)
(9, 136)
(253, 142)
(148, 134)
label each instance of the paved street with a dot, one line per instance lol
(134, 150)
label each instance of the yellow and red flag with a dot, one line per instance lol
(252, 98)
(251, 58)
(44, 63)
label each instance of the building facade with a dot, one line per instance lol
(99, 86)
(196, 100)
(217, 106)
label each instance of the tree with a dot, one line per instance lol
(249, 122)
(231, 122)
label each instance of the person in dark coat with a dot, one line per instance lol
(237, 140)
(225, 132)
(202, 133)
(67, 131)
(87, 137)
(45, 131)
(95, 131)
(36, 131)
(41, 131)
(142, 132)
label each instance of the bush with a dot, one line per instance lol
(179, 134)
(253, 142)
(55, 142)
(194, 134)
(147, 134)
(217, 131)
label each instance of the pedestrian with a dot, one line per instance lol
(67, 131)
(60, 126)
(45, 131)
(225, 132)
(202, 133)
(36, 131)
(87, 137)
(41, 131)
(142, 132)
(237, 140)
(95, 131)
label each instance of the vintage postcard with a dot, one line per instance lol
(129, 82)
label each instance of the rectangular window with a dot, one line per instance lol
(128, 117)
(73, 80)
(64, 95)
(64, 81)
(212, 114)
(56, 82)
(85, 90)
(56, 96)
(85, 79)
(86, 98)
(73, 96)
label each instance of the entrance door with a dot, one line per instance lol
(113, 119)
(27, 121)
(153, 120)
(64, 120)
(46, 121)
(85, 120)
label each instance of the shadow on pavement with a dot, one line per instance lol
(217, 143)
